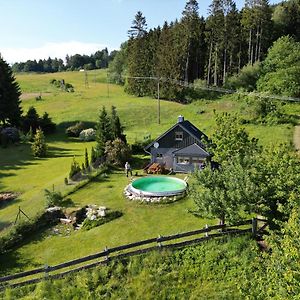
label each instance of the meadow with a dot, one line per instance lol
(21, 172)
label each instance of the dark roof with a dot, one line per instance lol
(193, 149)
(187, 126)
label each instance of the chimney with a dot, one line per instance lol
(180, 119)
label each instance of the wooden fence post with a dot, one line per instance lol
(46, 271)
(206, 233)
(159, 242)
(254, 227)
(106, 258)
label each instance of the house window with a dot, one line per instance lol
(197, 160)
(183, 160)
(178, 136)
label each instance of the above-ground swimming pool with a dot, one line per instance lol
(158, 187)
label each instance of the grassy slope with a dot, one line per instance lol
(212, 270)
(20, 172)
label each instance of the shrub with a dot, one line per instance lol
(74, 130)
(32, 121)
(75, 169)
(246, 79)
(138, 146)
(46, 124)
(117, 152)
(53, 198)
(87, 135)
(9, 135)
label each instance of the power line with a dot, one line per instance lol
(213, 88)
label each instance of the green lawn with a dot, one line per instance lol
(20, 172)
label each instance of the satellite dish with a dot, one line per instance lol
(156, 145)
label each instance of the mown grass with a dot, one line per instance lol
(20, 172)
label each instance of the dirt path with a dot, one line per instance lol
(296, 138)
(26, 96)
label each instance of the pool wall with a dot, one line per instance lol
(133, 193)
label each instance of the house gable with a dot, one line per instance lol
(180, 135)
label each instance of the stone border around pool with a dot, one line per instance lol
(131, 195)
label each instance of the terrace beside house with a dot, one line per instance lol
(180, 148)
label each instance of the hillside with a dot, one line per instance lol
(212, 270)
(23, 174)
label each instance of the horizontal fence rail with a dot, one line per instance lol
(206, 233)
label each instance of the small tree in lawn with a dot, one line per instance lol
(39, 146)
(225, 194)
(86, 160)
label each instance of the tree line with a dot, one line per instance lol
(98, 60)
(209, 50)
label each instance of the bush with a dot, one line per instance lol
(246, 79)
(75, 169)
(32, 121)
(53, 198)
(87, 135)
(117, 152)
(46, 124)
(9, 135)
(74, 130)
(138, 146)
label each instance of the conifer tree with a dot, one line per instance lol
(116, 127)
(139, 26)
(103, 132)
(93, 155)
(86, 159)
(39, 146)
(10, 110)
(195, 47)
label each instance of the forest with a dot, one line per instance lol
(98, 60)
(254, 48)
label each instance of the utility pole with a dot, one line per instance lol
(86, 83)
(107, 82)
(158, 101)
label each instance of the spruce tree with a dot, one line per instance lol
(139, 26)
(86, 159)
(116, 127)
(103, 132)
(39, 146)
(137, 53)
(10, 110)
(93, 155)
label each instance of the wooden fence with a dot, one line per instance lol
(119, 252)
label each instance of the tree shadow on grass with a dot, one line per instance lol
(12, 262)
(4, 204)
(54, 152)
(4, 224)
